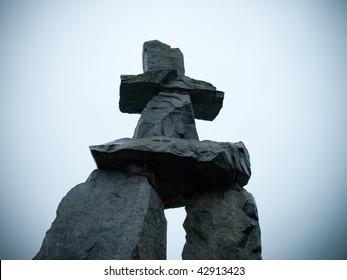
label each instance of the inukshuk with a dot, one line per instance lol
(118, 213)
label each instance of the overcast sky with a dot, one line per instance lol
(281, 64)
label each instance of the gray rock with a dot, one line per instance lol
(168, 114)
(164, 71)
(177, 168)
(110, 216)
(222, 226)
(158, 56)
(137, 90)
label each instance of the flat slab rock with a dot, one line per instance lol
(177, 168)
(137, 90)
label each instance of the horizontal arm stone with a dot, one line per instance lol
(137, 90)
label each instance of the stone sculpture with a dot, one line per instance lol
(118, 213)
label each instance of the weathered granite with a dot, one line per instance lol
(137, 90)
(110, 216)
(158, 56)
(222, 226)
(168, 114)
(118, 213)
(177, 168)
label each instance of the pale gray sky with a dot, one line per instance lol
(281, 64)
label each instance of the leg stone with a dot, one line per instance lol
(222, 226)
(110, 216)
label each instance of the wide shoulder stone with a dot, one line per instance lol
(177, 168)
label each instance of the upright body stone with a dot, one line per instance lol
(168, 114)
(222, 226)
(110, 216)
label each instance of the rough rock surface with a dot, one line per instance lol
(110, 216)
(177, 168)
(222, 226)
(168, 114)
(137, 90)
(157, 56)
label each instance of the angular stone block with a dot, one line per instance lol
(177, 168)
(158, 56)
(110, 216)
(137, 90)
(168, 114)
(222, 226)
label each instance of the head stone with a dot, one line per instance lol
(159, 56)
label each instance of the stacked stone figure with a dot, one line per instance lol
(118, 213)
